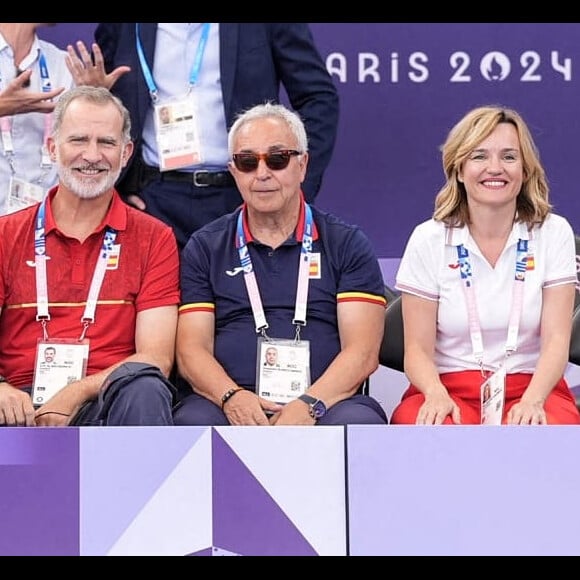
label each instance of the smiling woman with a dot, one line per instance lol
(470, 328)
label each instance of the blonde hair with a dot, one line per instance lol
(532, 202)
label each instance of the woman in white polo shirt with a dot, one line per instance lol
(488, 286)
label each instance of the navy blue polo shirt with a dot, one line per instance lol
(212, 279)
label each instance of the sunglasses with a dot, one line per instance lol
(277, 160)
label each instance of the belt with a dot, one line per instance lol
(200, 178)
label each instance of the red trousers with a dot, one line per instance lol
(464, 389)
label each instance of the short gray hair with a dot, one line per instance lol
(270, 110)
(95, 95)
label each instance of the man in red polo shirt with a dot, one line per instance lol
(90, 276)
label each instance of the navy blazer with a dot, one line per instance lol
(256, 61)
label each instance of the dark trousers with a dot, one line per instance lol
(134, 393)
(185, 206)
(138, 394)
(357, 410)
(144, 401)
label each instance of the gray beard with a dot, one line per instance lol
(85, 190)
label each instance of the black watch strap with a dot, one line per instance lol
(316, 407)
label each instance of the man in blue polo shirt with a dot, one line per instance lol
(277, 273)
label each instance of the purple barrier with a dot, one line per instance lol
(39, 492)
(379, 490)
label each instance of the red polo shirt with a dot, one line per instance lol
(144, 275)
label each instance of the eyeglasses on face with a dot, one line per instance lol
(276, 160)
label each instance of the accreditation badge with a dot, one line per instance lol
(177, 133)
(22, 193)
(492, 397)
(58, 363)
(282, 369)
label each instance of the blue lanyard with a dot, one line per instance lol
(45, 84)
(195, 68)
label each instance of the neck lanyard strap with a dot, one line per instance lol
(303, 274)
(195, 68)
(42, 314)
(466, 274)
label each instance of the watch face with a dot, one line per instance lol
(319, 409)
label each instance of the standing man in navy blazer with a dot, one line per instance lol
(207, 73)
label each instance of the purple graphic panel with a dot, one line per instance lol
(463, 491)
(122, 468)
(39, 491)
(247, 521)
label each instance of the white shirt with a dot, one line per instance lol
(429, 269)
(28, 129)
(176, 46)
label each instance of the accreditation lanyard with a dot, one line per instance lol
(517, 300)
(6, 123)
(88, 316)
(195, 68)
(303, 275)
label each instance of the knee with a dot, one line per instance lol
(146, 391)
(358, 410)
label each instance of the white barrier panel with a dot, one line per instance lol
(464, 490)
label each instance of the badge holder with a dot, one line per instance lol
(282, 369)
(177, 133)
(58, 363)
(492, 393)
(22, 194)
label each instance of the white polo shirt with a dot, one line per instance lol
(429, 269)
(27, 130)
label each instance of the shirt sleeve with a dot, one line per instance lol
(559, 245)
(160, 285)
(417, 273)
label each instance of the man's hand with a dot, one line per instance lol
(90, 70)
(16, 99)
(16, 408)
(61, 407)
(246, 408)
(293, 413)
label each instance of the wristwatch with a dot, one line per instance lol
(3, 379)
(316, 407)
